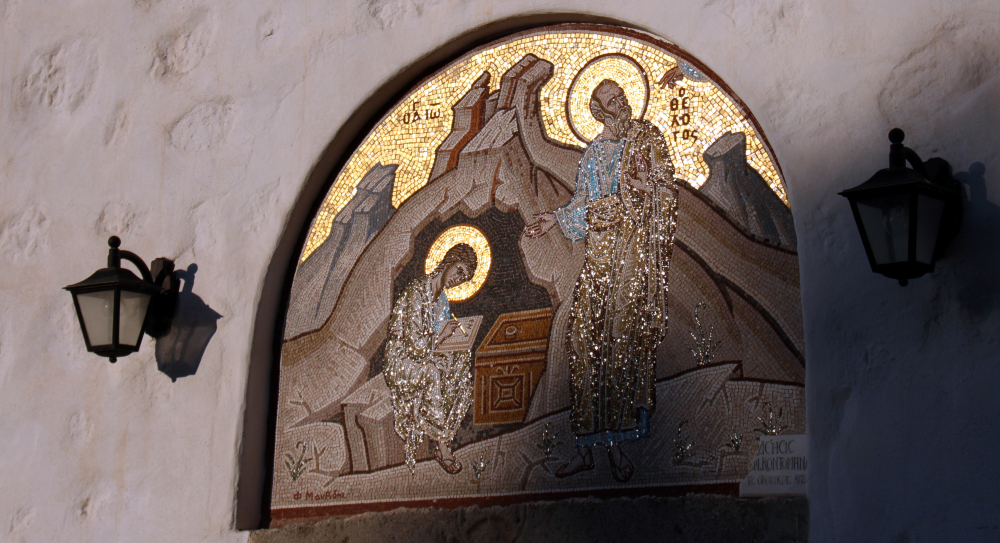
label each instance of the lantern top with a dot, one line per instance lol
(113, 277)
(895, 179)
(932, 178)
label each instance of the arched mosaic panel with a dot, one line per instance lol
(562, 265)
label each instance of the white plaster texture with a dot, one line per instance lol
(191, 129)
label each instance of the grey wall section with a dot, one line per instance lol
(901, 382)
(204, 132)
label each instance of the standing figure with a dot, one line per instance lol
(625, 207)
(431, 390)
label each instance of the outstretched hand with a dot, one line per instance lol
(543, 223)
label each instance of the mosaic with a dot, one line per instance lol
(563, 265)
(693, 112)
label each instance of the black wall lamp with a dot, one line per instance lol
(907, 216)
(115, 307)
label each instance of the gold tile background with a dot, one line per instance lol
(411, 132)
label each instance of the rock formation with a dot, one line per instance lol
(741, 191)
(318, 279)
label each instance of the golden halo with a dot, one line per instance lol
(622, 69)
(451, 237)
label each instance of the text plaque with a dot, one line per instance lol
(779, 468)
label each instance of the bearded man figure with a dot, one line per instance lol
(625, 207)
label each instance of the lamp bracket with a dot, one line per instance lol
(134, 258)
(914, 159)
(164, 303)
(936, 170)
(162, 270)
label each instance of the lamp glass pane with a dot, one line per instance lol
(887, 224)
(97, 311)
(929, 211)
(133, 313)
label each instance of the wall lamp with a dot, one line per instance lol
(115, 307)
(907, 216)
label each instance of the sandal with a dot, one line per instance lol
(622, 469)
(452, 466)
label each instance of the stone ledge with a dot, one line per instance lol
(696, 518)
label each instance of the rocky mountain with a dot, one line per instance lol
(319, 279)
(742, 192)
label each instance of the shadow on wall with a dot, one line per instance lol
(178, 354)
(976, 291)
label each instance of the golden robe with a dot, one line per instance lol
(431, 391)
(619, 312)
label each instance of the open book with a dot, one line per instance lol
(460, 341)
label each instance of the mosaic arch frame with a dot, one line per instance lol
(379, 406)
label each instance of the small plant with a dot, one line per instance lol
(548, 441)
(770, 422)
(735, 441)
(297, 466)
(704, 346)
(682, 447)
(478, 468)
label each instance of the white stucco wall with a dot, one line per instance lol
(192, 129)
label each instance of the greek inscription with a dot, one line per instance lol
(680, 117)
(784, 446)
(680, 120)
(687, 134)
(762, 480)
(780, 466)
(416, 114)
(781, 463)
